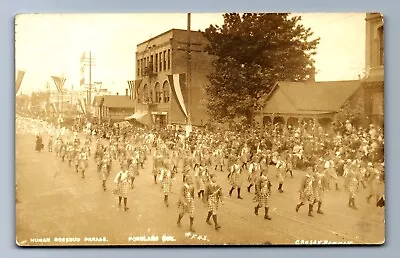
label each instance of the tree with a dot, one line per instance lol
(253, 52)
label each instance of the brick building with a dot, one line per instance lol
(374, 67)
(160, 90)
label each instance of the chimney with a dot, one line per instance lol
(312, 75)
(126, 92)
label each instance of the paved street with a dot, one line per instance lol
(54, 201)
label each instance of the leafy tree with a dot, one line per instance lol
(253, 52)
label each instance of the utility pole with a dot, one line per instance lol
(87, 61)
(188, 77)
(88, 106)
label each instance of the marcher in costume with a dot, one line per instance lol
(157, 164)
(374, 180)
(122, 182)
(236, 177)
(306, 192)
(50, 144)
(186, 202)
(63, 151)
(319, 188)
(187, 165)
(262, 194)
(98, 156)
(83, 161)
(166, 180)
(352, 182)
(201, 180)
(104, 173)
(281, 172)
(39, 143)
(254, 172)
(213, 198)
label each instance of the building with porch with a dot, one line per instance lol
(113, 108)
(291, 103)
(160, 91)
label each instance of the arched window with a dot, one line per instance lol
(157, 89)
(145, 93)
(166, 92)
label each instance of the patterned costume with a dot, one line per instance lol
(306, 193)
(122, 182)
(352, 182)
(213, 197)
(263, 191)
(186, 204)
(236, 179)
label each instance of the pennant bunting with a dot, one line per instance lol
(178, 83)
(18, 81)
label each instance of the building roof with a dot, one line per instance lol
(310, 97)
(114, 101)
(171, 30)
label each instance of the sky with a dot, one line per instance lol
(52, 44)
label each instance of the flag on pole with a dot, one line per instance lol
(18, 81)
(59, 82)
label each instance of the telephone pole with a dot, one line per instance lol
(188, 77)
(88, 106)
(87, 61)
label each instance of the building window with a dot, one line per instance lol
(169, 59)
(166, 92)
(138, 67)
(165, 61)
(145, 93)
(160, 61)
(157, 89)
(151, 64)
(142, 66)
(381, 45)
(156, 62)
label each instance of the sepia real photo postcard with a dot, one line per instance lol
(199, 129)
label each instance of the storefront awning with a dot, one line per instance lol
(136, 116)
(141, 117)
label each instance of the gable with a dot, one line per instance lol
(278, 102)
(116, 101)
(320, 96)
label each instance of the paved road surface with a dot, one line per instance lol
(56, 202)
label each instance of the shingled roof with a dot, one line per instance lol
(310, 97)
(114, 101)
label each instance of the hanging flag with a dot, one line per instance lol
(178, 83)
(59, 82)
(131, 85)
(136, 88)
(18, 81)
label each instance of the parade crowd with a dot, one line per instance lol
(246, 157)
